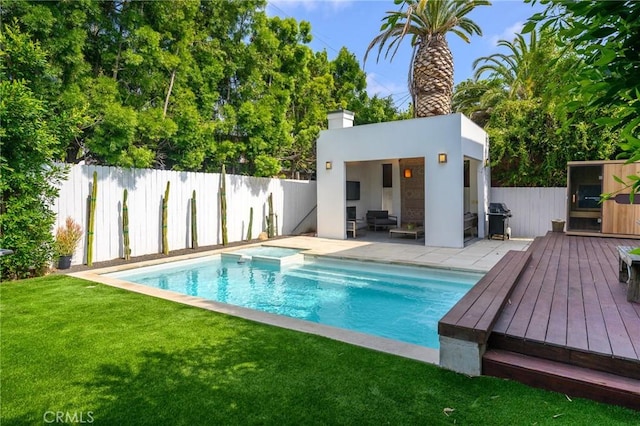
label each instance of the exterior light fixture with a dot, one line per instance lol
(407, 173)
(442, 157)
(328, 165)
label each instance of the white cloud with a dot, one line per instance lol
(508, 34)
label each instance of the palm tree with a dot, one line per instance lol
(431, 66)
(514, 69)
(477, 98)
(527, 68)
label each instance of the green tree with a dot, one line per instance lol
(188, 84)
(477, 98)
(605, 36)
(431, 65)
(517, 69)
(28, 147)
(521, 106)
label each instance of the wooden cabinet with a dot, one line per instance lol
(586, 180)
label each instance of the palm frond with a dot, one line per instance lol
(423, 19)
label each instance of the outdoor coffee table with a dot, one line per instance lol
(416, 232)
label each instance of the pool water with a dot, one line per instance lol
(401, 303)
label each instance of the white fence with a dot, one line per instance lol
(532, 209)
(292, 202)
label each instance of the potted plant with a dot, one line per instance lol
(67, 239)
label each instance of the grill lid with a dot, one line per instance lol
(499, 208)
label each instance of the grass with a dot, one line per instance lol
(74, 346)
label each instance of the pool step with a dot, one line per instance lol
(571, 380)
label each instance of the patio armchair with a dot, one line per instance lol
(353, 226)
(381, 219)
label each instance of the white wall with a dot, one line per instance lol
(425, 137)
(292, 201)
(532, 209)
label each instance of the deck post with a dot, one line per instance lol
(461, 356)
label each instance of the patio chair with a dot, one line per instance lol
(381, 219)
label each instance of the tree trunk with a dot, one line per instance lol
(432, 77)
(166, 101)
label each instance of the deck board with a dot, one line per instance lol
(559, 305)
(569, 296)
(576, 321)
(539, 321)
(525, 306)
(503, 322)
(619, 339)
(596, 327)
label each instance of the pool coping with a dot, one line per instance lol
(381, 344)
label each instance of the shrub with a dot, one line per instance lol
(68, 237)
(29, 146)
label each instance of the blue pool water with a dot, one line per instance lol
(401, 303)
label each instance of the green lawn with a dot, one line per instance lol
(74, 346)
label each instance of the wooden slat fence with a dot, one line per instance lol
(292, 201)
(532, 209)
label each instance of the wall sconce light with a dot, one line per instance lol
(328, 165)
(407, 173)
(442, 157)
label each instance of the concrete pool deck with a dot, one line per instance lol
(478, 257)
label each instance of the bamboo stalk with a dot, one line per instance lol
(223, 206)
(194, 222)
(165, 202)
(250, 224)
(125, 226)
(92, 218)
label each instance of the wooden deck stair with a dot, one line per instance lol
(569, 379)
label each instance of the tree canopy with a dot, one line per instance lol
(604, 83)
(519, 98)
(188, 84)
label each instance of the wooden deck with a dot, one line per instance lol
(567, 307)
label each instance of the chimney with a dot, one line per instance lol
(340, 119)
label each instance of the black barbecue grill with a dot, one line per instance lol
(499, 216)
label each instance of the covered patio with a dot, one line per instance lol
(427, 173)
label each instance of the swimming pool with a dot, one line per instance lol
(396, 302)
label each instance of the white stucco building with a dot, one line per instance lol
(415, 169)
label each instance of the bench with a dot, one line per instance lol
(465, 329)
(381, 219)
(629, 272)
(471, 224)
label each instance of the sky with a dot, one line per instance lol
(354, 23)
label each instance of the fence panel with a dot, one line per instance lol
(532, 209)
(292, 201)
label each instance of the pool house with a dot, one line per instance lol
(426, 172)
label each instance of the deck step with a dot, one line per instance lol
(559, 377)
(566, 355)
